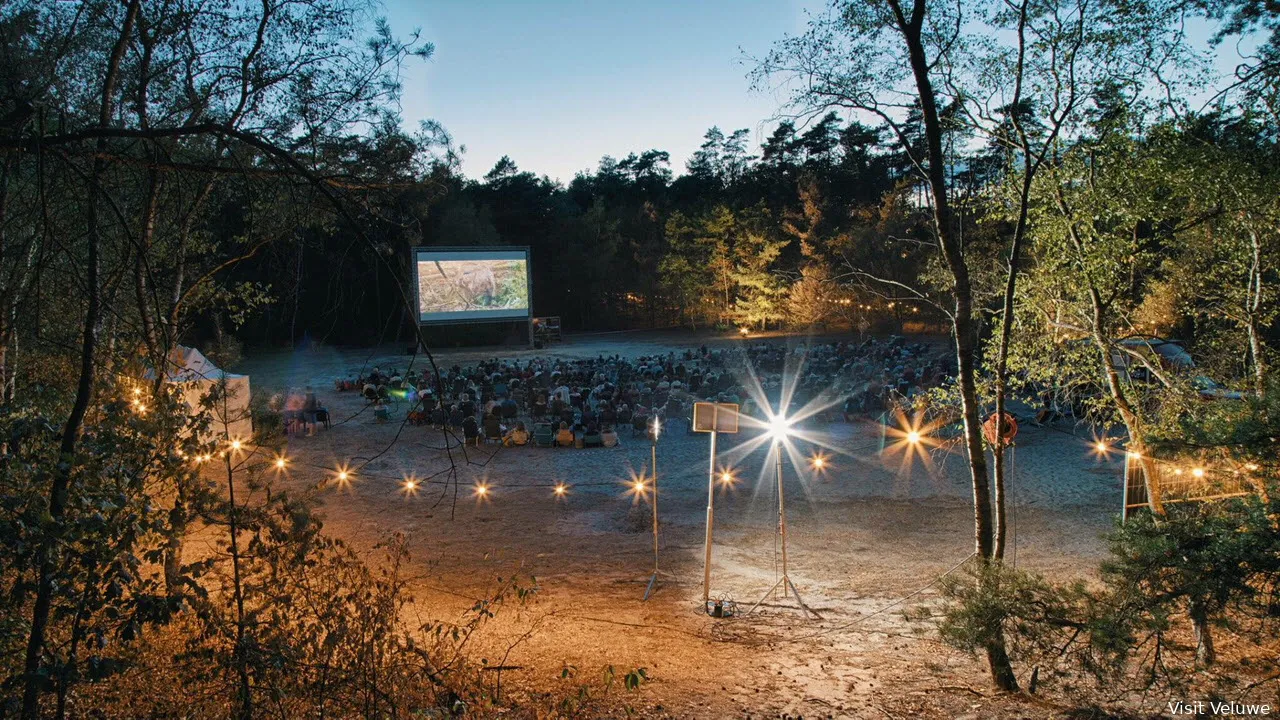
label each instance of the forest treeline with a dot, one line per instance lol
(632, 244)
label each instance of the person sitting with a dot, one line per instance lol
(380, 411)
(518, 436)
(609, 437)
(850, 408)
(470, 430)
(510, 410)
(311, 411)
(564, 437)
(455, 416)
(592, 437)
(439, 417)
(492, 426)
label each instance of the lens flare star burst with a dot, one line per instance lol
(783, 427)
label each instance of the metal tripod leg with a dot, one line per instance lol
(785, 582)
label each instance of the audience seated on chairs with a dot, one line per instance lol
(470, 430)
(564, 437)
(518, 436)
(492, 427)
(592, 437)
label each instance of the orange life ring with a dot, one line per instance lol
(992, 432)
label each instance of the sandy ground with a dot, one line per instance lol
(872, 529)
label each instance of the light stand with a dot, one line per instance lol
(785, 581)
(711, 516)
(653, 449)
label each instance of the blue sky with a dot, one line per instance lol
(556, 84)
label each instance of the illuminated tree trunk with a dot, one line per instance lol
(964, 325)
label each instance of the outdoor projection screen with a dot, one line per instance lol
(471, 284)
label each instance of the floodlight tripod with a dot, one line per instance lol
(785, 581)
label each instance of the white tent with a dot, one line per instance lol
(196, 375)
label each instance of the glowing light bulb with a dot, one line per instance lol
(236, 444)
(482, 490)
(1135, 454)
(561, 489)
(410, 484)
(819, 463)
(726, 477)
(1251, 467)
(281, 462)
(779, 427)
(343, 476)
(913, 437)
(1101, 447)
(1198, 472)
(638, 485)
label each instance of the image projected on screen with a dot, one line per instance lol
(457, 286)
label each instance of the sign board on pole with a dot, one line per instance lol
(715, 417)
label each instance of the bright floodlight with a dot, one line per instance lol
(281, 462)
(779, 427)
(481, 490)
(913, 437)
(819, 462)
(561, 489)
(1102, 447)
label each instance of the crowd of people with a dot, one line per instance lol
(582, 402)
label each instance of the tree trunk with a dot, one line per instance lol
(966, 338)
(1205, 654)
(1132, 423)
(46, 555)
(1253, 305)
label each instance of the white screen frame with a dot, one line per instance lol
(419, 255)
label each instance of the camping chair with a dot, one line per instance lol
(470, 436)
(543, 435)
(319, 416)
